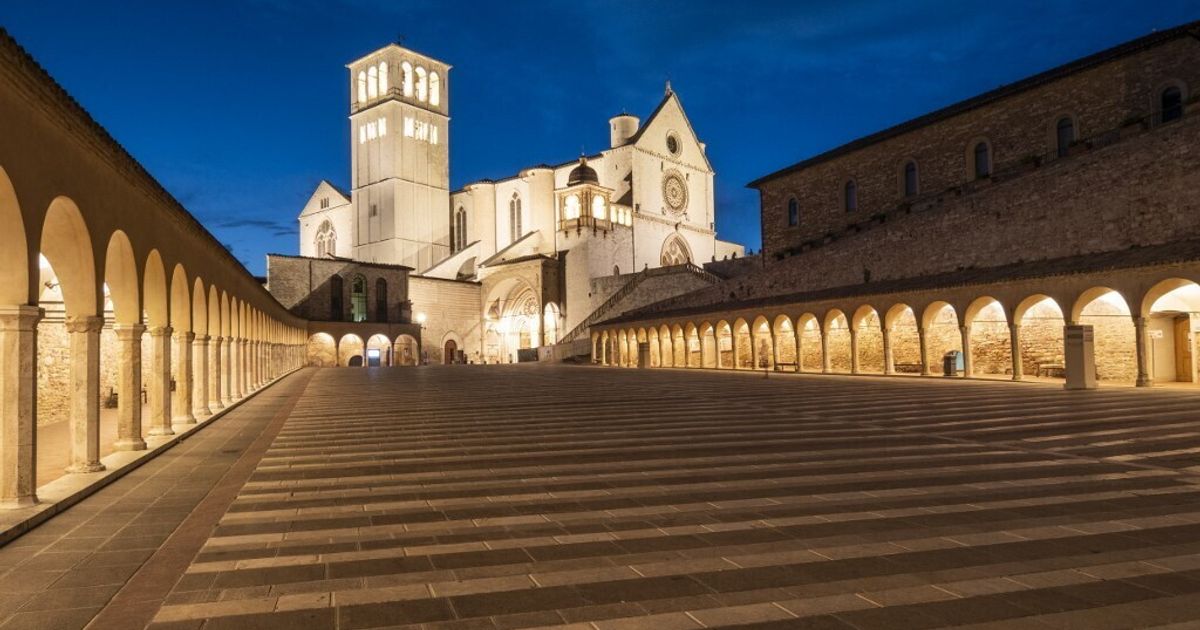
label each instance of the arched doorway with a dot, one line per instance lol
(405, 351)
(450, 353)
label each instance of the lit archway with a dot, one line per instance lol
(1171, 309)
(322, 350)
(764, 349)
(784, 334)
(990, 341)
(1039, 329)
(904, 339)
(350, 351)
(743, 346)
(809, 352)
(868, 340)
(837, 341)
(708, 346)
(1114, 342)
(406, 351)
(942, 333)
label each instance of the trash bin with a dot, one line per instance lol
(951, 362)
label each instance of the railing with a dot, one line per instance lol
(628, 288)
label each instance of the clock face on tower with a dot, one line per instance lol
(675, 192)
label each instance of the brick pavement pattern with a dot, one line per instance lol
(535, 496)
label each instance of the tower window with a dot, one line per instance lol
(459, 237)
(335, 298)
(422, 85)
(374, 210)
(514, 218)
(850, 196)
(983, 160)
(358, 299)
(324, 202)
(383, 78)
(372, 82)
(406, 70)
(1171, 104)
(793, 212)
(1064, 133)
(910, 179)
(326, 240)
(435, 89)
(362, 87)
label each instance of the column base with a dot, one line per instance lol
(90, 467)
(203, 412)
(1145, 382)
(161, 431)
(216, 405)
(187, 419)
(130, 445)
(19, 503)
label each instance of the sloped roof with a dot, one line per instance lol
(1191, 29)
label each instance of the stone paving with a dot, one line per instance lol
(592, 498)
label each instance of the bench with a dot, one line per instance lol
(785, 364)
(907, 368)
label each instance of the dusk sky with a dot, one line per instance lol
(240, 108)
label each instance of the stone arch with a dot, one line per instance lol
(351, 351)
(551, 318)
(121, 276)
(675, 251)
(679, 344)
(406, 351)
(809, 350)
(904, 337)
(449, 354)
(836, 330)
(867, 349)
(764, 346)
(784, 333)
(1039, 324)
(67, 246)
(940, 322)
(322, 350)
(708, 346)
(199, 307)
(694, 358)
(655, 348)
(990, 344)
(181, 300)
(743, 345)
(665, 349)
(381, 344)
(1170, 312)
(724, 335)
(1107, 311)
(15, 281)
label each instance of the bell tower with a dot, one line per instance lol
(400, 166)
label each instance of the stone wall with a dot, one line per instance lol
(453, 309)
(1019, 127)
(303, 286)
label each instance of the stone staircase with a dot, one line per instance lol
(616, 303)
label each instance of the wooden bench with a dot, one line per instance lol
(907, 368)
(782, 364)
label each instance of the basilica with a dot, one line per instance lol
(501, 270)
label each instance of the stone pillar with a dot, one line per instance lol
(18, 405)
(226, 370)
(200, 377)
(924, 342)
(85, 393)
(182, 400)
(854, 368)
(889, 362)
(160, 381)
(129, 392)
(1143, 360)
(826, 362)
(1014, 336)
(1079, 357)
(799, 334)
(968, 368)
(214, 374)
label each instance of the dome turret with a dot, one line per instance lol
(583, 174)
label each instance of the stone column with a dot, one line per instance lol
(968, 368)
(799, 334)
(129, 393)
(854, 368)
(226, 370)
(84, 426)
(182, 400)
(826, 361)
(924, 343)
(160, 381)
(214, 374)
(18, 405)
(1014, 336)
(200, 376)
(1143, 360)
(889, 361)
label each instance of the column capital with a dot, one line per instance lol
(21, 317)
(160, 331)
(129, 332)
(84, 323)
(202, 339)
(185, 335)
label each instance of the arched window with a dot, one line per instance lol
(406, 70)
(383, 78)
(459, 237)
(362, 87)
(1170, 104)
(675, 251)
(372, 82)
(326, 240)
(850, 196)
(983, 160)
(358, 299)
(911, 183)
(381, 301)
(422, 85)
(1064, 135)
(793, 212)
(514, 218)
(435, 89)
(335, 299)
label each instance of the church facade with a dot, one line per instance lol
(544, 250)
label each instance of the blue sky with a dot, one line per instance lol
(239, 108)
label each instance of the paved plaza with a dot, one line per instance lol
(592, 498)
